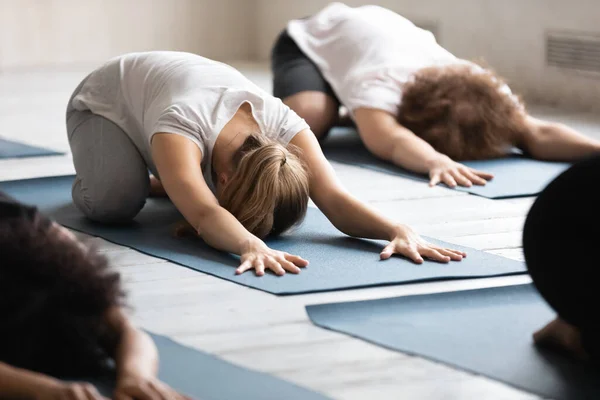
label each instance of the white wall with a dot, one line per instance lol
(508, 34)
(36, 33)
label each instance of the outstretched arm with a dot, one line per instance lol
(556, 142)
(136, 359)
(337, 204)
(21, 384)
(390, 141)
(178, 162)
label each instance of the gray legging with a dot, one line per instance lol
(112, 181)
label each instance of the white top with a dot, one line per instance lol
(182, 94)
(366, 53)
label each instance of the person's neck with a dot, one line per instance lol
(232, 136)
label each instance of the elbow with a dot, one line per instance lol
(204, 218)
(537, 137)
(380, 146)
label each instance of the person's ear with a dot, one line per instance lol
(223, 179)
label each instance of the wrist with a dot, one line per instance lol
(394, 231)
(251, 243)
(435, 160)
(40, 386)
(140, 358)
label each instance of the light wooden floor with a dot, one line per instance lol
(273, 334)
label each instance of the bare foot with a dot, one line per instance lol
(562, 336)
(156, 188)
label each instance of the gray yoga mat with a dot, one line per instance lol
(514, 176)
(206, 377)
(10, 149)
(485, 331)
(336, 261)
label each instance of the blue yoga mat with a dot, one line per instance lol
(10, 149)
(336, 261)
(486, 331)
(514, 176)
(206, 377)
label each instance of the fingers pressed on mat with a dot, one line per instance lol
(454, 255)
(435, 255)
(448, 179)
(289, 266)
(474, 178)
(460, 178)
(435, 179)
(485, 175)
(297, 260)
(387, 252)
(275, 266)
(259, 268)
(414, 255)
(245, 266)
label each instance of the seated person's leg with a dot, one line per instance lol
(301, 86)
(112, 181)
(61, 315)
(559, 241)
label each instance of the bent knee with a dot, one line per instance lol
(110, 204)
(319, 110)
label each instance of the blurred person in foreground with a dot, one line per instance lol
(62, 315)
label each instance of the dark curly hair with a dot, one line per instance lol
(462, 111)
(55, 295)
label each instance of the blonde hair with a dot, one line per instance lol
(269, 191)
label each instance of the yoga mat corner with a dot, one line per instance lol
(483, 331)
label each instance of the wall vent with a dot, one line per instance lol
(574, 51)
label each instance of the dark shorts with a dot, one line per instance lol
(293, 72)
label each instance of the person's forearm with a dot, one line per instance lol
(389, 140)
(357, 219)
(411, 152)
(136, 354)
(214, 224)
(558, 142)
(221, 230)
(16, 383)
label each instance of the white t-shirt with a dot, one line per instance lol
(367, 53)
(183, 94)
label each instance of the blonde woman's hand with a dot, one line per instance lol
(259, 257)
(447, 171)
(409, 244)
